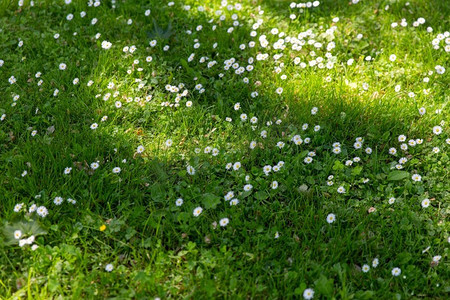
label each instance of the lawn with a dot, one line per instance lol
(207, 149)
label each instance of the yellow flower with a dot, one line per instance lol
(103, 227)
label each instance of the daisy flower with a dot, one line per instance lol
(106, 45)
(280, 145)
(224, 222)
(401, 138)
(331, 218)
(267, 169)
(17, 234)
(234, 202)
(365, 268)
(416, 177)
(375, 262)
(190, 169)
(341, 190)
(58, 200)
(396, 271)
(30, 240)
(32, 208)
(140, 149)
(437, 258)
(42, 211)
(437, 130)
(308, 293)
(336, 150)
(425, 203)
(197, 211)
(229, 195)
(18, 207)
(422, 111)
(109, 267)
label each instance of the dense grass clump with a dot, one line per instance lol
(211, 149)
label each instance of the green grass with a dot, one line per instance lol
(277, 242)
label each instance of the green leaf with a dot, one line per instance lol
(310, 180)
(141, 276)
(397, 175)
(182, 217)
(210, 201)
(261, 195)
(116, 225)
(300, 289)
(158, 192)
(159, 32)
(364, 295)
(246, 194)
(233, 283)
(324, 286)
(317, 166)
(357, 170)
(147, 243)
(130, 233)
(303, 154)
(52, 284)
(28, 228)
(186, 67)
(338, 166)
